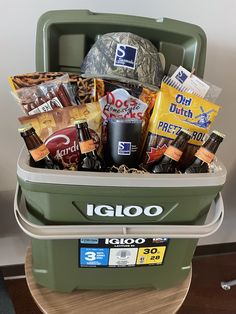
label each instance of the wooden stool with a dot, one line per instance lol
(138, 301)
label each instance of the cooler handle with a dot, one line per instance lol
(117, 231)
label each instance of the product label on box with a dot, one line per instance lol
(120, 252)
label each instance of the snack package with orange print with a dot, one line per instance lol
(56, 129)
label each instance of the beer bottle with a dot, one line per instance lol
(40, 155)
(167, 163)
(205, 154)
(89, 159)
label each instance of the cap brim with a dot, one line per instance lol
(120, 79)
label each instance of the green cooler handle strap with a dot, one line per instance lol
(116, 231)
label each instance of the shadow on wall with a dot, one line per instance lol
(8, 224)
(229, 194)
(221, 71)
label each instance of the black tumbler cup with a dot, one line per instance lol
(123, 141)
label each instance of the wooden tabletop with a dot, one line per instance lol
(137, 301)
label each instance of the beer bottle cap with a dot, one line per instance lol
(81, 122)
(25, 128)
(219, 134)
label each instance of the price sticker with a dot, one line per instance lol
(151, 255)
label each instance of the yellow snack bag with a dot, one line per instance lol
(174, 110)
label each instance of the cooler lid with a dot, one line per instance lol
(64, 38)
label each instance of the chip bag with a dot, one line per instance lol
(173, 111)
(124, 100)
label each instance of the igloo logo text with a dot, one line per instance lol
(123, 211)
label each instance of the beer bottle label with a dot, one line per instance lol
(173, 153)
(204, 155)
(87, 146)
(39, 152)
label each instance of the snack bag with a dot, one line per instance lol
(173, 111)
(32, 79)
(45, 96)
(104, 87)
(56, 128)
(123, 100)
(83, 89)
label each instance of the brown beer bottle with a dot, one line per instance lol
(89, 159)
(39, 152)
(167, 163)
(206, 153)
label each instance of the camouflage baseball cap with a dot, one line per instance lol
(125, 57)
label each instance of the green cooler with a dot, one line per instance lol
(110, 230)
(114, 231)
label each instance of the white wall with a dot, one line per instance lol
(18, 25)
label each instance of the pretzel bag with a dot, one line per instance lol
(173, 111)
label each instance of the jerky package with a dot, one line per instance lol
(173, 111)
(83, 89)
(56, 129)
(45, 96)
